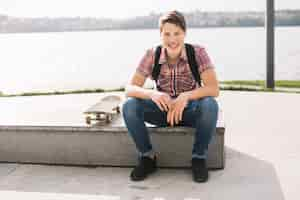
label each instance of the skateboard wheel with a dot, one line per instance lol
(98, 117)
(107, 118)
(88, 120)
(118, 109)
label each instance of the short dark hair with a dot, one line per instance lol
(173, 17)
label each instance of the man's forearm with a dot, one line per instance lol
(203, 92)
(138, 92)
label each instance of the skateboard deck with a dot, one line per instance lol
(104, 111)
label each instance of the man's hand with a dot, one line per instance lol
(162, 100)
(176, 110)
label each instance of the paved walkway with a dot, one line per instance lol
(262, 145)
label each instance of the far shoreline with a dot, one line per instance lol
(139, 29)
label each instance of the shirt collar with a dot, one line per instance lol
(163, 56)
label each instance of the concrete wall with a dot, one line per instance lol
(101, 146)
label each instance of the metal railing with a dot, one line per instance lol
(270, 44)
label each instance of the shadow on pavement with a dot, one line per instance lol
(244, 177)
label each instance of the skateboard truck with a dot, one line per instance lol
(104, 111)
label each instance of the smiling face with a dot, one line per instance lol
(172, 37)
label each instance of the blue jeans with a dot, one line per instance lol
(200, 114)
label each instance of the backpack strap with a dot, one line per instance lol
(191, 60)
(190, 51)
(157, 66)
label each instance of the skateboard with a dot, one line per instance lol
(104, 111)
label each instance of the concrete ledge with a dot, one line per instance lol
(109, 146)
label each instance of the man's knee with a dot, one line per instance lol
(207, 105)
(131, 107)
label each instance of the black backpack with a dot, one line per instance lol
(191, 60)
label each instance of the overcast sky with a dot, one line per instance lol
(129, 8)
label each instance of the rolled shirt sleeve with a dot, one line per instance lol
(145, 66)
(202, 58)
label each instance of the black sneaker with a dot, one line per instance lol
(199, 169)
(145, 167)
